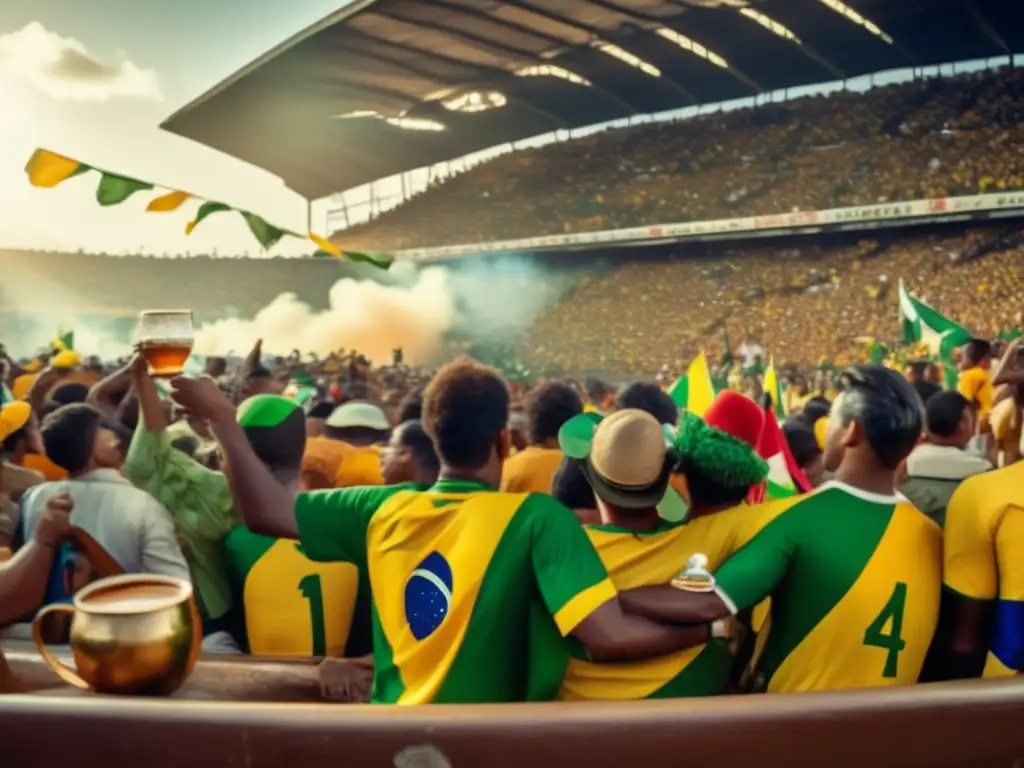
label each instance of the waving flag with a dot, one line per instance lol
(771, 387)
(46, 170)
(785, 478)
(694, 391)
(925, 324)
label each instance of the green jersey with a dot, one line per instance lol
(455, 574)
(854, 580)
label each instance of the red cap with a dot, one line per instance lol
(736, 415)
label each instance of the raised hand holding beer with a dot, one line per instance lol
(165, 338)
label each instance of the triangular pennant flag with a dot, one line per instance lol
(267, 234)
(48, 169)
(172, 201)
(206, 209)
(114, 189)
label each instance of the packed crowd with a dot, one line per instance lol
(927, 138)
(803, 301)
(483, 520)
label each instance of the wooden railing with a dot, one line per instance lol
(979, 723)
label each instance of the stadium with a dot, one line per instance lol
(560, 427)
(668, 175)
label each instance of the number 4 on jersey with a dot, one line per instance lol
(876, 636)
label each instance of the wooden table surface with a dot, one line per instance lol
(215, 678)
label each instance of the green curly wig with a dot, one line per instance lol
(717, 455)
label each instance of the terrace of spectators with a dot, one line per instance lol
(386, 86)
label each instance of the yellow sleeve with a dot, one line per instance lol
(969, 547)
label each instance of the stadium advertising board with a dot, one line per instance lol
(918, 211)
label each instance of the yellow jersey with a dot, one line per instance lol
(984, 558)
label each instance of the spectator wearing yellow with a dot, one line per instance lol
(975, 382)
(348, 453)
(548, 407)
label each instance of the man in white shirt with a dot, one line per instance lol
(134, 528)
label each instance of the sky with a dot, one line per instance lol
(93, 80)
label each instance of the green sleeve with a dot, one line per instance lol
(749, 576)
(198, 498)
(332, 524)
(573, 581)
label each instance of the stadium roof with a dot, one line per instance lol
(364, 93)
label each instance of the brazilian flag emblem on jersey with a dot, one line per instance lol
(427, 627)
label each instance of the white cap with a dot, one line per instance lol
(358, 414)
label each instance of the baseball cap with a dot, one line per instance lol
(13, 416)
(627, 463)
(356, 413)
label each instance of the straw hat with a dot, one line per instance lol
(627, 464)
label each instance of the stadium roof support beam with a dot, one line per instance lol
(646, 18)
(475, 41)
(597, 35)
(986, 26)
(523, 29)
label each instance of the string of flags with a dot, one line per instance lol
(46, 169)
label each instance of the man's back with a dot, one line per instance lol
(454, 575)
(130, 524)
(984, 558)
(651, 558)
(855, 580)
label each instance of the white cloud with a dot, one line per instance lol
(63, 68)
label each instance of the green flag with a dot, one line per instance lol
(680, 391)
(66, 339)
(265, 232)
(927, 325)
(114, 189)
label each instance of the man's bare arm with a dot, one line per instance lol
(609, 634)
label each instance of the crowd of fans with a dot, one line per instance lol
(802, 301)
(927, 138)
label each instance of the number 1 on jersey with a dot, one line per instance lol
(312, 591)
(892, 642)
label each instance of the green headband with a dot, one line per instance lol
(265, 411)
(725, 459)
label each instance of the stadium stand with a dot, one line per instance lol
(927, 138)
(629, 311)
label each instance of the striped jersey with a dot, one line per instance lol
(656, 557)
(854, 580)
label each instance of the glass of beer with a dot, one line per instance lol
(165, 339)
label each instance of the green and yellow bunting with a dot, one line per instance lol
(46, 169)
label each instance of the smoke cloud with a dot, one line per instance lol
(370, 317)
(491, 300)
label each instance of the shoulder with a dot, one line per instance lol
(912, 515)
(539, 505)
(361, 497)
(990, 492)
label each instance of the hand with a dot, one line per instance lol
(54, 524)
(202, 398)
(345, 680)
(138, 364)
